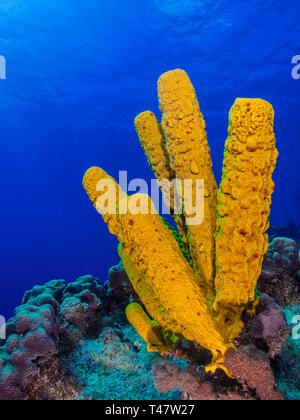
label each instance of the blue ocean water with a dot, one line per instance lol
(78, 72)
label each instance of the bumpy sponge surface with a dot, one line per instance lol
(244, 200)
(202, 300)
(147, 328)
(166, 272)
(153, 142)
(187, 146)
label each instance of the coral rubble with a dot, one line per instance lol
(116, 366)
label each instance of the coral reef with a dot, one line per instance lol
(262, 338)
(52, 383)
(268, 329)
(250, 366)
(212, 288)
(116, 366)
(119, 290)
(168, 377)
(289, 230)
(81, 308)
(67, 338)
(51, 319)
(280, 271)
(180, 316)
(50, 355)
(33, 333)
(287, 366)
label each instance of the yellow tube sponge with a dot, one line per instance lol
(244, 199)
(153, 142)
(187, 146)
(104, 192)
(202, 301)
(143, 289)
(148, 329)
(166, 273)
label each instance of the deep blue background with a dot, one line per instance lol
(79, 71)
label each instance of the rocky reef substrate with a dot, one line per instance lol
(73, 342)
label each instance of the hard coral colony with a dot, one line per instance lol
(197, 287)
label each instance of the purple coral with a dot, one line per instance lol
(168, 377)
(268, 329)
(252, 369)
(56, 316)
(47, 314)
(33, 333)
(249, 366)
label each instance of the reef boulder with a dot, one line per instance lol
(268, 329)
(32, 334)
(49, 316)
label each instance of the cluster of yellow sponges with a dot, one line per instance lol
(201, 298)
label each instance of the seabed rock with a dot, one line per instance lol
(73, 342)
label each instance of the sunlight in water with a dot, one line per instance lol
(181, 7)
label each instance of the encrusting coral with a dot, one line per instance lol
(201, 298)
(249, 364)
